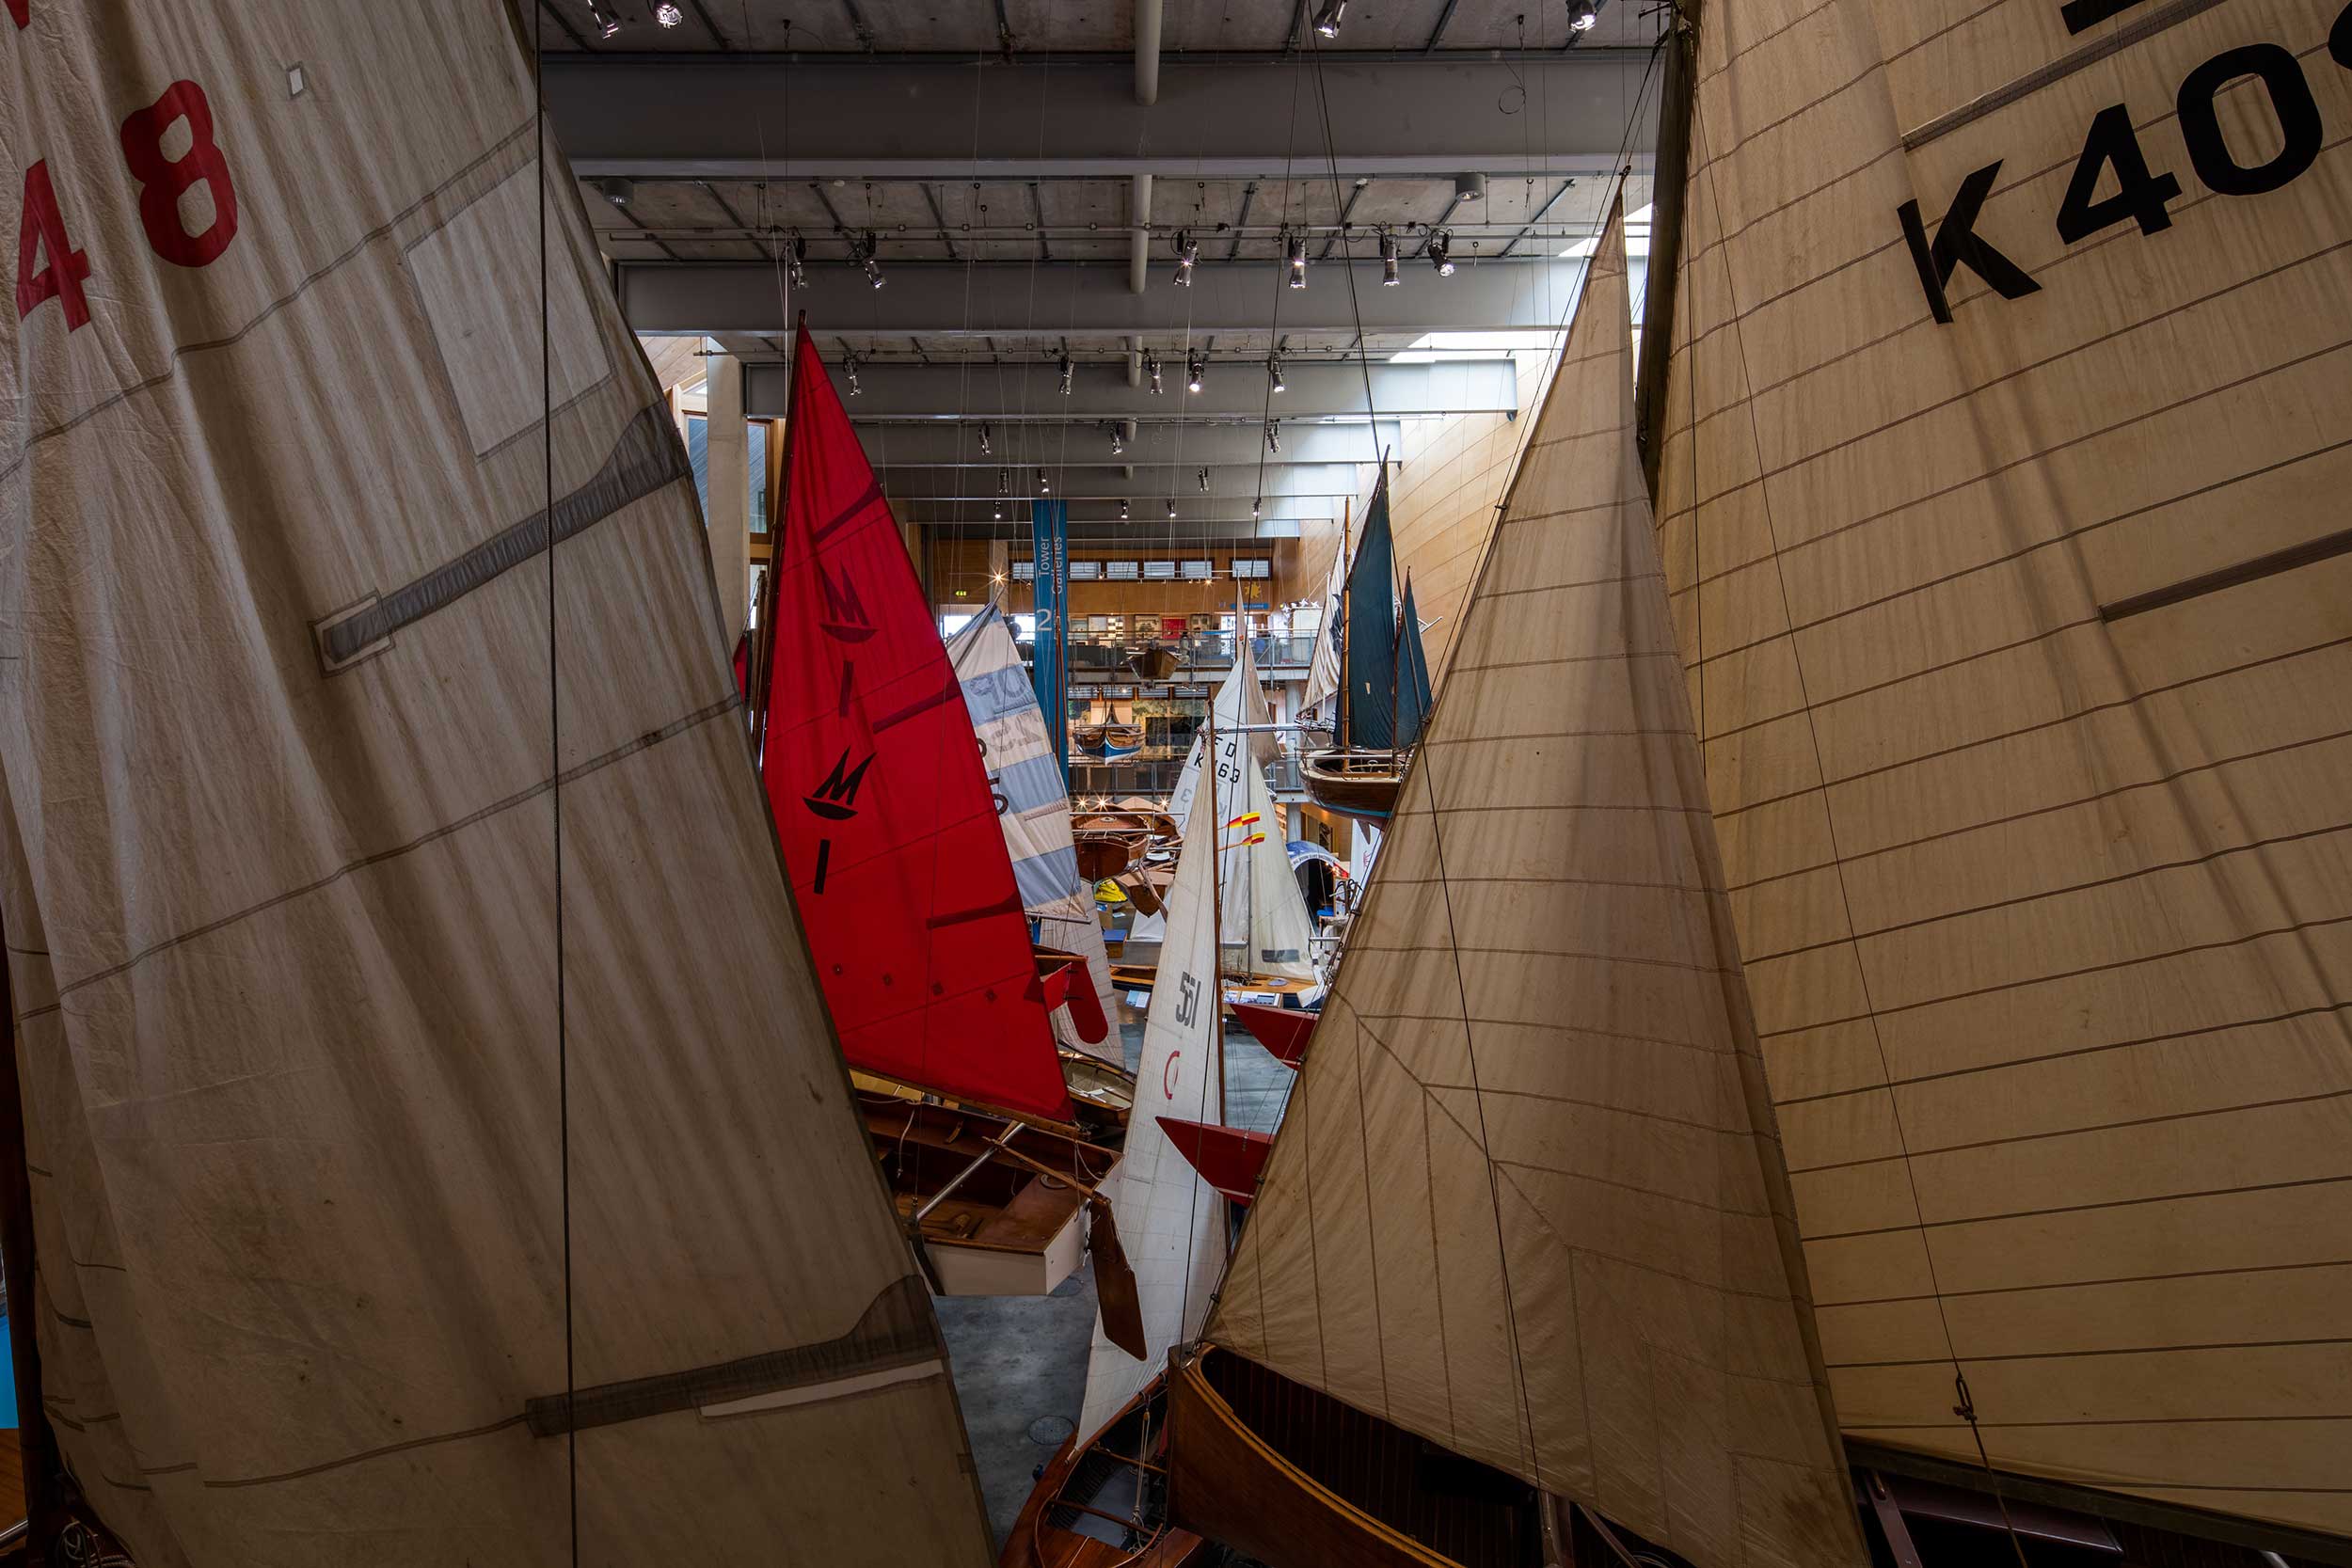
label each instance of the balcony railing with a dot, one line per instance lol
(1108, 652)
(1156, 776)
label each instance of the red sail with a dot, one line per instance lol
(888, 827)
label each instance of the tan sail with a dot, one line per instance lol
(1526, 1198)
(281, 759)
(2021, 647)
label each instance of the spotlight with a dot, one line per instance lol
(1388, 260)
(606, 25)
(1273, 372)
(1298, 253)
(1256, 507)
(1272, 439)
(1043, 487)
(1203, 477)
(1122, 511)
(864, 251)
(1187, 253)
(1119, 442)
(616, 190)
(667, 14)
(1066, 368)
(1440, 248)
(849, 368)
(796, 259)
(1469, 188)
(1152, 369)
(1328, 19)
(984, 440)
(1171, 506)
(1582, 14)
(1195, 372)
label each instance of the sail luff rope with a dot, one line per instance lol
(1964, 1407)
(555, 785)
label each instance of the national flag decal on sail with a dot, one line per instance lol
(835, 799)
(845, 617)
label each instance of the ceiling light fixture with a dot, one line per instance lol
(1152, 369)
(1122, 511)
(863, 250)
(1273, 372)
(1043, 487)
(1272, 439)
(617, 190)
(1204, 480)
(849, 368)
(1195, 372)
(1119, 442)
(796, 259)
(1256, 507)
(606, 25)
(1582, 14)
(1187, 253)
(1388, 260)
(667, 14)
(1328, 19)
(1469, 188)
(1171, 506)
(1297, 251)
(1066, 369)
(983, 440)
(1440, 252)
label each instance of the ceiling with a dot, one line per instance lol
(1020, 173)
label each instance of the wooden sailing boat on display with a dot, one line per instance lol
(898, 864)
(438, 1151)
(1381, 682)
(1101, 1499)
(1525, 1229)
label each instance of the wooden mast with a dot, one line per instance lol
(760, 673)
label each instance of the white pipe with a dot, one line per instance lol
(1146, 52)
(1139, 243)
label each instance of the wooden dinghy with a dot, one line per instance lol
(1104, 1504)
(1290, 1475)
(1000, 1205)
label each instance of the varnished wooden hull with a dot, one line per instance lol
(1231, 1481)
(1038, 1542)
(1355, 785)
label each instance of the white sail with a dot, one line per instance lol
(1526, 1201)
(1033, 806)
(2023, 647)
(1171, 1223)
(1266, 929)
(359, 1103)
(1322, 671)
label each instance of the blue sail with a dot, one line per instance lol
(1368, 667)
(1412, 674)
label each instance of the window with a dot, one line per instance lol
(758, 445)
(1198, 571)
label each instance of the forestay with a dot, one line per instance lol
(1527, 1201)
(280, 749)
(2022, 645)
(1171, 1223)
(1033, 809)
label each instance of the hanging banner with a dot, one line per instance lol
(1049, 537)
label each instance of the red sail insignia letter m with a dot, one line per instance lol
(845, 618)
(837, 797)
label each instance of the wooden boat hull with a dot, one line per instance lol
(1005, 1230)
(1233, 1482)
(1038, 1542)
(1357, 784)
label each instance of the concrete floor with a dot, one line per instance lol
(1021, 1361)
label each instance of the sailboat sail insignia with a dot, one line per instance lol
(885, 814)
(1527, 1201)
(301, 948)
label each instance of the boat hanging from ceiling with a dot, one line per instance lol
(1525, 1229)
(1382, 693)
(423, 1081)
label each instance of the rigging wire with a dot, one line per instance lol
(555, 783)
(1964, 1404)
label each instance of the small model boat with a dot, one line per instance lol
(1383, 686)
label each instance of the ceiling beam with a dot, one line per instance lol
(905, 446)
(1031, 393)
(725, 117)
(1319, 483)
(1083, 300)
